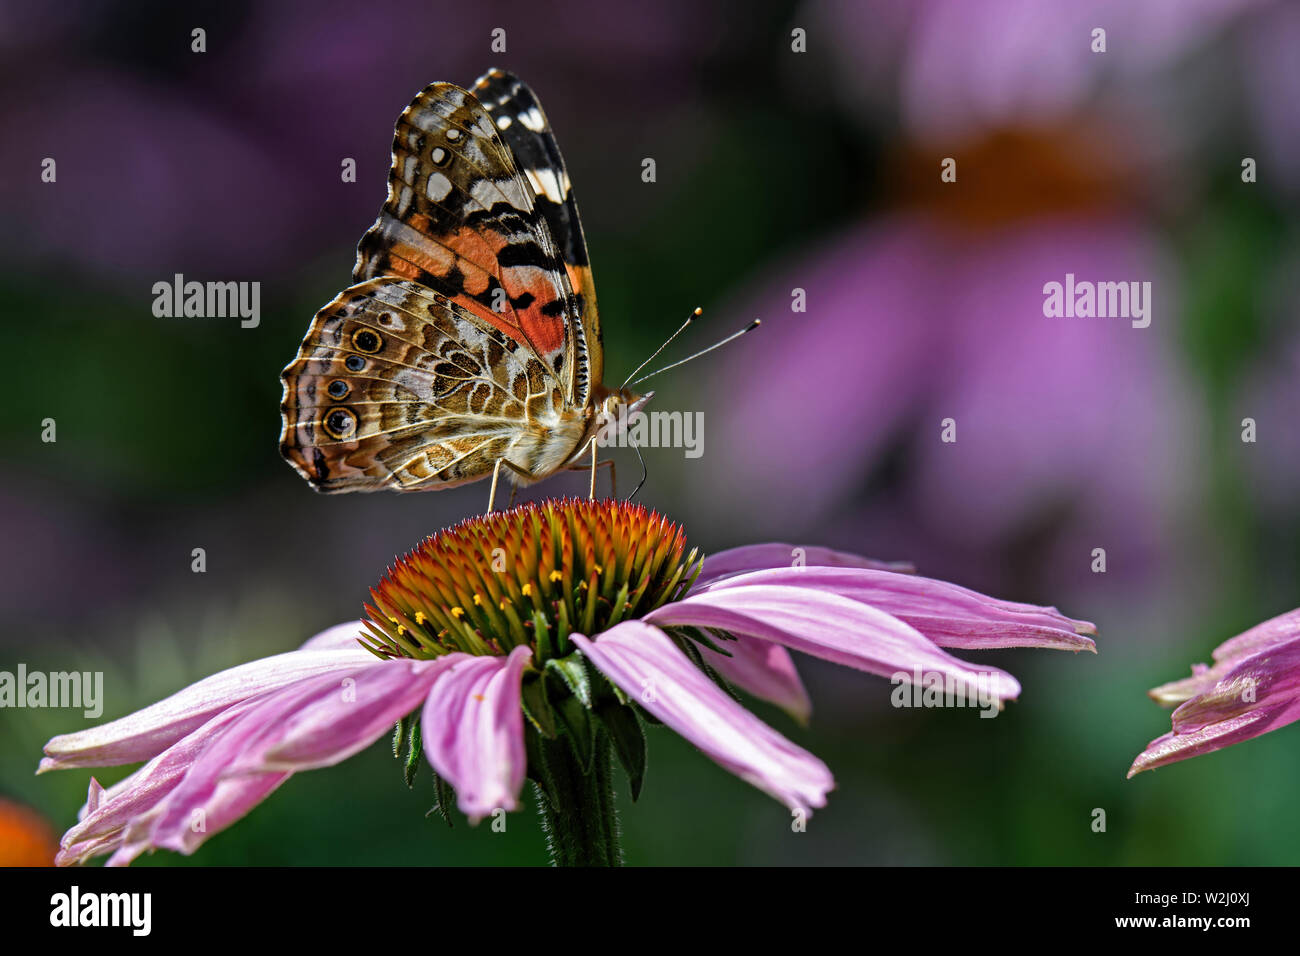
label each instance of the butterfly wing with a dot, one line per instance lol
(463, 219)
(396, 386)
(524, 127)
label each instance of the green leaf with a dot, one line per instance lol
(414, 748)
(629, 742)
(580, 729)
(537, 708)
(400, 732)
(573, 671)
(446, 797)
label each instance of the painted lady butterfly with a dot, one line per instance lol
(471, 340)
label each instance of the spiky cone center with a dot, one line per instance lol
(532, 575)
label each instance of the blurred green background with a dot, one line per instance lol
(777, 170)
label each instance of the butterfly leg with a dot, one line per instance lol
(492, 495)
(496, 474)
(613, 481)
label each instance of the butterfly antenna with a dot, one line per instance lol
(689, 319)
(644, 473)
(717, 345)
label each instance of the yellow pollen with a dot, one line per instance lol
(556, 576)
(527, 589)
(458, 612)
(419, 617)
(478, 600)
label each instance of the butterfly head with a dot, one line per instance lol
(615, 410)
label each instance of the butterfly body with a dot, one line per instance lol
(471, 338)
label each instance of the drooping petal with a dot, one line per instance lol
(229, 801)
(835, 628)
(758, 557)
(209, 797)
(108, 812)
(1279, 630)
(1173, 747)
(345, 716)
(947, 614)
(1253, 687)
(473, 730)
(644, 662)
(1262, 681)
(765, 670)
(147, 732)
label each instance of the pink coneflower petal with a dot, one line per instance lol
(1278, 630)
(757, 557)
(226, 803)
(147, 732)
(346, 714)
(1253, 687)
(835, 628)
(948, 614)
(107, 812)
(645, 663)
(473, 730)
(1262, 682)
(209, 797)
(1173, 747)
(765, 670)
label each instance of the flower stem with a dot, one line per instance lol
(579, 817)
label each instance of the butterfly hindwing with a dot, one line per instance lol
(464, 220)
(398, 387)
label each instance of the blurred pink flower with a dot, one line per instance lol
(1083, 420)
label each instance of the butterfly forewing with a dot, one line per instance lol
(523, 125)
(464, 342)
(462, 218)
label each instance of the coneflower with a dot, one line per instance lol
(536, 644)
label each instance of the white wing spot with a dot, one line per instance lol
(404, 200)
(549, 183)
(438, 154)
(438, 187)
(503, 122)
(488, 191)
(533, 119)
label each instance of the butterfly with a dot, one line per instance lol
(470, 341)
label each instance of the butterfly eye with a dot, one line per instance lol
(367, 341)
(340, 423)
(339, 388)
(354, 363)
(439, 156)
